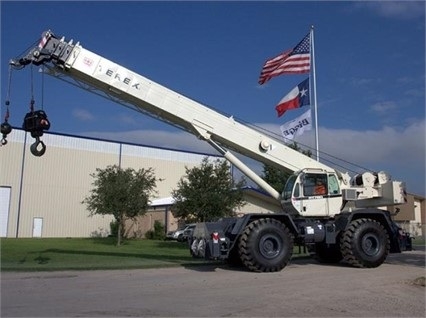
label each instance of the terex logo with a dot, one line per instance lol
(88, 61)
(125, 80)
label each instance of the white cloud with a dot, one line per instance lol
(383, 107)
(400, 152)
(395, 9)
(373, 147)
(127, 119)
(82, 114)
(414, 92)
(364, 81)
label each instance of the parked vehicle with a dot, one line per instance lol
(170, 235)
(181, 234)
(187, 233)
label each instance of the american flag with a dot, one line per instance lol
(293, 61)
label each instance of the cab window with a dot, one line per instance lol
(333, 184)
(288, 188)
(315, 184)
(296, 192)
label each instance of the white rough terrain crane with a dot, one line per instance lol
(343, 222)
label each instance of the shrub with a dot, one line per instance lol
(158, 232)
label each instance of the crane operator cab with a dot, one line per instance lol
(312, 193)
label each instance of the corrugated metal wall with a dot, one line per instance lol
(53, 186)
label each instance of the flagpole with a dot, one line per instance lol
(314, 90)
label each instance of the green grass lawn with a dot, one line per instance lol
(418, 240)
(52, 254)
(56, 254)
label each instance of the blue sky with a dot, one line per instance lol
(370, 70)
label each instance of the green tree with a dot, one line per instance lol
(123, 193)
(207, 192)
(277, 178)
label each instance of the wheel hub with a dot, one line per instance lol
(270, 246)
(370, 244)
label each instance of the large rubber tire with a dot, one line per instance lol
(266, 245)
(365, 243)
(328, 254)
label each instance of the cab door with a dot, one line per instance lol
(315, 194)
(334, 197)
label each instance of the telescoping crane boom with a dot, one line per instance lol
(341, 222)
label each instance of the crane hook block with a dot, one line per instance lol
(36, 122)
(6, 128)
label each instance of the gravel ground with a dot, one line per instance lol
(302, 289)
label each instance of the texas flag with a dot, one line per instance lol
(298, 97)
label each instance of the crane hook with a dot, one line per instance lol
(34, 148)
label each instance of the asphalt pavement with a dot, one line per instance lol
(303, 289)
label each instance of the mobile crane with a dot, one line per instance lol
(344, 222)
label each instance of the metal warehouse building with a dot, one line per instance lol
(41, 196)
